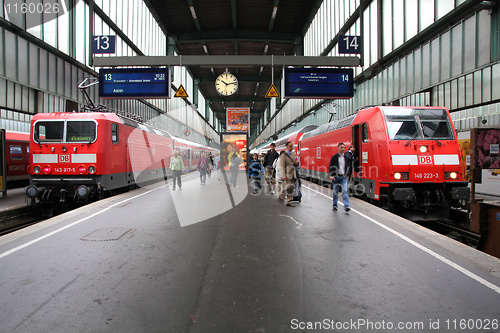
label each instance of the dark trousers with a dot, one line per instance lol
(176, 176)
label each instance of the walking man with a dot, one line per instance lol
(289, 163)
(340, 171)
(269, 159)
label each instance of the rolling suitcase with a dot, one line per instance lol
(297, 192)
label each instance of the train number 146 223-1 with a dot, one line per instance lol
(426, 175)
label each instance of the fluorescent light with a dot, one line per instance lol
(273, 15)
(193, 13)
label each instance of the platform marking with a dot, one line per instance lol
(425, 249)
(296, 222)
(20, 247)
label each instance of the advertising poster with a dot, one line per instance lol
(234, 150)
(490, 176)
(238, 119)
(487, 143)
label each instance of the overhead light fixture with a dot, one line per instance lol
(266, 48)
(205, 48)
(273, 15)
(193, 12)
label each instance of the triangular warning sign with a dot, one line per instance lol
(272, 92)
(181, 92)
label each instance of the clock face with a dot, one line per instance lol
(226, 84)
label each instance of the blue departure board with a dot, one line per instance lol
(134, 83)
(318, 83)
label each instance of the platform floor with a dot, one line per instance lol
(125, 264)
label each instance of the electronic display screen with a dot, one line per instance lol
(134, 83)
(318, 83)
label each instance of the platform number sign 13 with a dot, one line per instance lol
(349, 44)
(103, 44)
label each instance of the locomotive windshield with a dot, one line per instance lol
(65, 131)
(418, 124)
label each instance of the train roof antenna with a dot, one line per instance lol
(90, 105)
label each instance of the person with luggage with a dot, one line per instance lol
(254, 171)
(279, 177)
(289, 165)
(269, 159)
(340, 171)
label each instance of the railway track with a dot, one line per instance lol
(18, 218)
(455, 227)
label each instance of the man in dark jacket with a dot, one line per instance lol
(271, 155)
(340, 171)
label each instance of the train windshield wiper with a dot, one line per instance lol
(412, 138)
(438, 142)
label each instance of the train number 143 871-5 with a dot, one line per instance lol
(426, 175)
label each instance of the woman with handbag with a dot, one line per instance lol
(235, 160)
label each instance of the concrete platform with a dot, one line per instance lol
(125, 264)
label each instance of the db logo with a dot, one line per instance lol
(64, 158)
(425, 160)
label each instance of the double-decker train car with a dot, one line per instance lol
(17, 157)
(405, 157)
(76, 156)
(293, 137)
(191, 152)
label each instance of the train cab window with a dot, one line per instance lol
(114, 133)
(365, 133)
(436, 125)
(81, 131)
(49, 131)
(16, 152)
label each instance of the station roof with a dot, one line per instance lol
(235, 27)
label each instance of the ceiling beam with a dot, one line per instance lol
(240, 35)
(237, 99)
(227, 61)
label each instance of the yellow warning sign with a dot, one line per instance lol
(272, 92)
(181, 92)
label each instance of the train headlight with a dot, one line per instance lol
(424, 149)
(82, 169)
(37, 170)
(401, 175)
(47, 170)
(92, 169)
(451, 175)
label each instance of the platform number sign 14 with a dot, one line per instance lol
(103, 44)
(349, 44)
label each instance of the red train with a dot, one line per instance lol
(406, 157)
(79, 156)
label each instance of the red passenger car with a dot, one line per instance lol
(17, 157)
(76, 156)
(406, 157)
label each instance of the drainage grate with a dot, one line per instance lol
(106, 234)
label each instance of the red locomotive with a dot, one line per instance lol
(78, 156)
(405, 157)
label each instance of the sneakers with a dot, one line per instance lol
(290, 205)
(173, 188)
(335, 209)
(347, 209)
